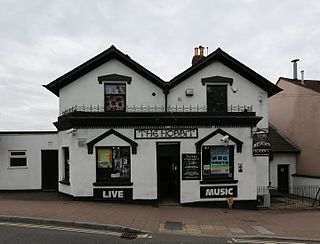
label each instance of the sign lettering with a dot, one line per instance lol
(261, 146)
(218, 191)
(113, 194)
(165, 133)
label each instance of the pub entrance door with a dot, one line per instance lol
(168, 172)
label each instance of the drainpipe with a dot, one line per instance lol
(166, 92)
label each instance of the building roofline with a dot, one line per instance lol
(232, 63)
(27, 132)
(96, 61)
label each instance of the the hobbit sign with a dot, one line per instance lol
(218, 191)
(261, 146)
(165, 133)
(191, 167)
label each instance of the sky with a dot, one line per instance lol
(42, 40)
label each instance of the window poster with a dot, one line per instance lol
(219, 160)
(115, 89)
(104, 158)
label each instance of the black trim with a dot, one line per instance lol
(134, 120)
(217, 79)
(27, 132)
(114, 77)
(232, 63)
(64, 182)
(112, 183)
(218, 181)
(91, 64)
(108, 133)
(237, 204)
(223, 133)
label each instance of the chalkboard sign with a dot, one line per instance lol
(191, 167)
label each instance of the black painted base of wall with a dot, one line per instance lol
(240, 204)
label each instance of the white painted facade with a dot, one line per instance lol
(26, 177)
(85, 90)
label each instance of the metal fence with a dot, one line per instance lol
(297, 197)
(155, 108)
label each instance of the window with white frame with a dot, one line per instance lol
(18, 158)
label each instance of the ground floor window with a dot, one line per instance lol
(113, 164)
(217, 162)
(18, 158)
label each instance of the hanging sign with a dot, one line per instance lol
(191, 166)
(165, 133)
(261, 145)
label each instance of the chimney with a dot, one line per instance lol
(302, 77)
(198, 56)
(295, 68)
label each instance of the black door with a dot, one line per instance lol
(217, 98)
(283, 178)
(168, 172)
(49, 163)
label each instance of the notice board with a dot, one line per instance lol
(191, 167)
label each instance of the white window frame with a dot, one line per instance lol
(18, 156)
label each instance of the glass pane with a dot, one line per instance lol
(217, 98)
(16, 162)
(116, 89)
(115, 103)
(219, 160)
(18, 153)
(104, 158)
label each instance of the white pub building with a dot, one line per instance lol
(124, 134)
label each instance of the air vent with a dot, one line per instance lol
(82, 142)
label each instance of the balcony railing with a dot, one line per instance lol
(157, 109)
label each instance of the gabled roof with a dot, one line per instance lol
(232, 63)
(313, 85)
(280, 143)
(105, 56)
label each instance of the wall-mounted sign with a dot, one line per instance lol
(165, 133)
(122, 194)
(218, 191)
(191, 167)
(261, 146)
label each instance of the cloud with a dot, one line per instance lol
(42, 40)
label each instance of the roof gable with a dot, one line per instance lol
(313, 85)
(280, 143)
(91, 64)
(232, 63)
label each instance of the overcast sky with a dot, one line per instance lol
(41, 40)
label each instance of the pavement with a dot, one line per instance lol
(55, 208)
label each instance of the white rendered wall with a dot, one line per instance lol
(144, 164)
(282, 159)
(29, 177)
(87, 91)
(247, 93)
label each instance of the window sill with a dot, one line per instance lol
(17, 167)
(219, 181)
(112, 183)
(64, 182)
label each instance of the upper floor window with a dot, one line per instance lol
(217, 98)
(18, 158)
(115, 97)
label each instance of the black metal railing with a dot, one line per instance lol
(155, 109)
(297, 197)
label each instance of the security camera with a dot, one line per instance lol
(225, 139)
(72, 130)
